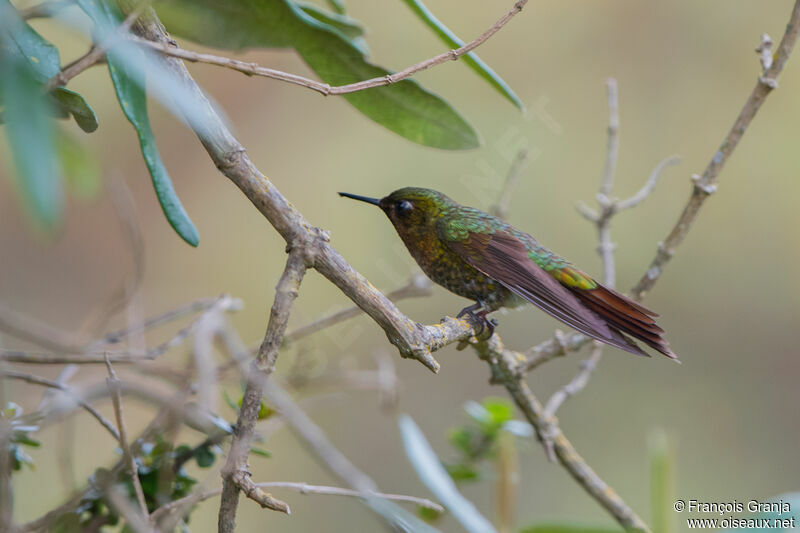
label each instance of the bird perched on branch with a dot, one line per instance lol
(480, 257)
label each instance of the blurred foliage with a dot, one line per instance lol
(477, 440)
(432, 473)
(11, 414)
(161, 473)
(662, 481)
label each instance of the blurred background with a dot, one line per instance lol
(729, 300)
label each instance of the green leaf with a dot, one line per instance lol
(500, 410)
(261, 452)
(346, 25)
(205, 457)
(428, 514)
(462, 439)
(21, 438)
(558, 527)
(74, 104)
(228, 400)
(81, 169)
(31, 137)
(40, 55)
(475, 63)
(462, 472)
(404, 108)
(134, 105)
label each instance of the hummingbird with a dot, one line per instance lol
(480, 257)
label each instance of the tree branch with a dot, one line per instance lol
(252, 69)
(503, 363)
(234, 474)
(133, 470)
(37, 380)
(706, 185)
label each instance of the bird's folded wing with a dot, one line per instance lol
(504, 258)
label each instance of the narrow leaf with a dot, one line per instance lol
(74, 104)
(434, 476)
(134, 104)
(41, 56)
(471, 58)
(31, 137)
(347, 25)
(127, 65)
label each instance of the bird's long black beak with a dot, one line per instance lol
(373, 201)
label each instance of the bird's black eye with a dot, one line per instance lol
(403, 207)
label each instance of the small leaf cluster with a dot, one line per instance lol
(11, 414)
(476, 441)
(160, 467)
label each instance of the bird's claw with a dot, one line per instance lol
(479, 319)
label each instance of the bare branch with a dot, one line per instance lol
(649, 185)
(37, 380)
(181, 505)
(133, 471)
(252, 69)
(576, 384)
(97, 52)
(503, 363)
(706, 184)
(235, 474)
(613, 138)
(419, 285)
(96, 356)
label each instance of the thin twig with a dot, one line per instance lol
(223, 303)
(612, 152)
(303, 488)
(320, 447)
(418, 286)
(252, 69)
(97, 52)
(649, 185)
(576, 384)
(133, 470)
(234, 473)
(37, 380)
(500, 209)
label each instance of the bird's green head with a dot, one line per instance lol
(410, 208)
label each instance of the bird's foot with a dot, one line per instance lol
(477, 315)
